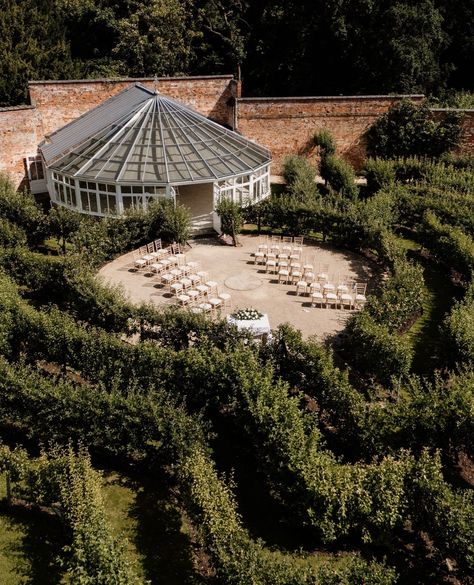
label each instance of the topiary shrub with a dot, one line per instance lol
(340, 176)
(324, 139)
(300, 177)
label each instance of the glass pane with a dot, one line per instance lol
(112, 203)
(104, 207)
(85, 201)
(93, 202)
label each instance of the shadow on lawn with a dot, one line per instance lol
(166, 549)
(35, 551)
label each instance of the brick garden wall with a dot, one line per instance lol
(285, 125)
(20, 133)
(55, 103)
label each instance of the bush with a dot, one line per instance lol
(459, 330)
(61, 477)
(325, 141)
(340, 176)
(11, 235)
(449, 244)
(21, 209)
(401, 298)
(375, 350)
(411, 130)
(379, 173)
(168, 221)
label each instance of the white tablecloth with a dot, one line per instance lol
(256, 326)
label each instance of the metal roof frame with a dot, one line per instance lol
(144, 137)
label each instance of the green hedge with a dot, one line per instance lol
(450, 245)
(459, 331)
(67, 480)
(375, 350)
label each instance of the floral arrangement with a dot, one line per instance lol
(247, 315)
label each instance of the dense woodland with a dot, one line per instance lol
(311, 47)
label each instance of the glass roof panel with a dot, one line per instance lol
(160, 140)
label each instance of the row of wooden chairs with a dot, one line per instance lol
(273, 246)
(204, 298)
(154, 252)
(351, 295)
(295, 270)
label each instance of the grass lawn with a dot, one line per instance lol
(30, 543)
(425, 336)
(142, 512)
(158, 543)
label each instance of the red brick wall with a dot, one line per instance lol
(467, 143)
(20, 133)
(61, 102)
(285, 125)
(55, 103)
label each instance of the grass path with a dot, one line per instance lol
(425, 335)
(142, 511)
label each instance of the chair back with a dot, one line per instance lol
(158, 244)
(298, 240)
(361, 287)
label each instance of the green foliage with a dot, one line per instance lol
(63, 224)
(231, 216)
(459, 330)
(376, 351)
(168, 221)
(401, 296)
(238, 559)
(451, 245)
(33, 45)
(411, 130)
(20, 209)
(11, 235)
(340, 176)
(94, 555)
(380, 48)
(300, 178)
(380, 174)
(324, 139)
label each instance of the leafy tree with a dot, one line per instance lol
(231, 216)
(33, 45)
(63, 223)
(411, 130)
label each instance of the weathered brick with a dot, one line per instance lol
(284, 125)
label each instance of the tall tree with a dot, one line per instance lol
(32, 46)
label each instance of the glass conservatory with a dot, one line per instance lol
(139, 146)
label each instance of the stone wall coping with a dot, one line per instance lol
(469, 110)
(15, 108)
(126, 79)
(330, 98)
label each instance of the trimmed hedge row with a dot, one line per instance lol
(240, 560)
(61, 477)
(459, 330)
(154, 431)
